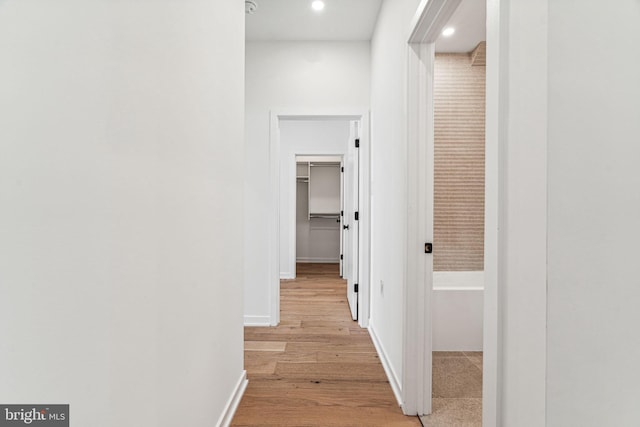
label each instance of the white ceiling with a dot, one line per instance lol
(289, 20)
(295, 20)
(469, 20)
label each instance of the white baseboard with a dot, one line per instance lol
(388, 369)
(287, 276)
(233, 402)
(257, 320)
(318, 260)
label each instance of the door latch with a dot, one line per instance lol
(428, 248)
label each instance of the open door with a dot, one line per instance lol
(350, 219)
(341, 219)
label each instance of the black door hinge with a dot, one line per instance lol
(341, 256)
(341, 213)
(342, 169)
(355, 288)
(428, 248)
(357, 142)
(357, 215)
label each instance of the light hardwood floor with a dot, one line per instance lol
(318, 367)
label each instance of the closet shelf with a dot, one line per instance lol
(325, 215)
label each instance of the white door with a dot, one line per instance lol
(351, 219)
(341, 219)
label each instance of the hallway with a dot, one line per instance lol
(318, 367)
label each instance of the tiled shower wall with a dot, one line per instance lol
(459, 163)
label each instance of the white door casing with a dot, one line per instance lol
(351, 219)
(428, 21)
(342, 229)
(363, 255)
(430, 18)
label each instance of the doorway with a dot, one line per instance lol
(326, 202)
(343, 135)
(458, 240)
(440, 316)
(319, 198)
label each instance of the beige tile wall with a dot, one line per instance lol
(459, 162)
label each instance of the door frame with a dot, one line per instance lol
(359, 114)
(429, 20)
(352, 206)
(342, 193)
(293, 200)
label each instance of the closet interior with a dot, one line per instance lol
(318, 207)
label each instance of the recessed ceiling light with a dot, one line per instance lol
(448, 31)
(317, 5)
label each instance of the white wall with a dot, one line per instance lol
(389, 178)
(302, 137)
(566, 272)
(288, 75)
(594, 212)
(516, 246)
(121, 130)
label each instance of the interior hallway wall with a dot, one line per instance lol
(121, 135)
(567, 269)
(389, 176)
(594, 209)
(304, 76)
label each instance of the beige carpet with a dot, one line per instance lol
(457, 390)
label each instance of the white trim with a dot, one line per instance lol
(286, 275)
(430, 18)
(316, 260)
(458, 280)
(517, 118)
(417, 304)
(364, 222)
(497, 40)
(388, 369)
(257, 320)
(234, 400)
(515, 215)
(457, 288)
(313, 158)
(292, 191)
(274, 218)
(361, 114)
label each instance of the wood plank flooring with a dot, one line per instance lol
(318, 367)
